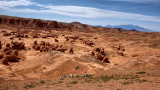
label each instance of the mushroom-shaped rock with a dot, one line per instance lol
(8, 45)
(56, 40)
(1, 55)
(35, 42)
(71, 50)
(42, 43)
(92, 53)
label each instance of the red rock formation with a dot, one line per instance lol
(0, 45)
(71, 50)
(1, 55)
(26, 22)
(5, 61)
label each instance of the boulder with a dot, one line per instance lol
(11, 58)
(97, 49)
(6, 49)
(92, 53)
(17, 45)
(4, 61)
(99, 56)
(11, 38)
(61, 49)
(37, 47)
(47, 44)
(118, 47)
(1, 55)
(42, 43)
(56, 40)
(88, 42)
(120, 53)
(8, 52)
(8, 45)
(106, 59)
(45, 49)
(35, 43)
(0, 45)
(6, 34)
(71, 50)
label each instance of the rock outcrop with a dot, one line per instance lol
(119, 49)
(0, 45)
(46, 46)
(100, 54)
(10, 52)
(27, 22)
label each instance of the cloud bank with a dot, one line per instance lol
(73, 11)
(138, 1)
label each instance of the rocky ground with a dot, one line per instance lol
(39, 54)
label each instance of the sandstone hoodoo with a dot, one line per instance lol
(10, 52)
(88, 42)
(18, 45)
(71, 50)
(56, 40)
(1, 55)
(100, 54)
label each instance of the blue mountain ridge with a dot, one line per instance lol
(129, 27)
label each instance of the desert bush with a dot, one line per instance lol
(77, 67)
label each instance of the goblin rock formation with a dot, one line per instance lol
(10, 52)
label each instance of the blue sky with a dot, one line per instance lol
(145, 13)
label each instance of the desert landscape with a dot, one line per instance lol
(40, 54)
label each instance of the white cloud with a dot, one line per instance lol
(88, 12)
(138, 1)
(6, 3)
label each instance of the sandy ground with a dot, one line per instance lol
(42, 70)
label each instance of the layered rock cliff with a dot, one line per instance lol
(39, 24)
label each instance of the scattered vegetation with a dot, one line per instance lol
(125, 79)
(29, 86)
(154, 45)
(77, 67)
(141, 72)
(127, 82)
(106, 78)
(74, 82)
(42, 81)
(99, 85)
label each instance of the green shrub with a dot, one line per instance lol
(141, 72)
(74, 82)
(77, 67)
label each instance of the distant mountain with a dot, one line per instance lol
(130, 27)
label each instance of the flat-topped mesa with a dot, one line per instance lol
(45, 24)
(38, 24)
